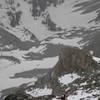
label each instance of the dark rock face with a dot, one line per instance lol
(18, 97)
(14, 18)
(50, 24)
(39, 6)
(7, 39)
(10, 42)
(94, 43)
(74, 59)
(27, 97)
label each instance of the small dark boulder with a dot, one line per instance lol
(19, 97)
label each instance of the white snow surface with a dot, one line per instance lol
(68, 78)
(8, 69)
(19, 54)
(82, 94)
(96, 59)
(5, 63)
(39, 92)
(69, 42)
(61, 15)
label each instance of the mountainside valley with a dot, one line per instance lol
(49, 48)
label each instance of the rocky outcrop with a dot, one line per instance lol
(72, 59)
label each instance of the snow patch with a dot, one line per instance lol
(68, 42)
(11, 70)
(82, 94)
(54, 99)
(5, 63)
(96, 59)
(63, 16)
(40, 92)
(6, 82)
(68, 78)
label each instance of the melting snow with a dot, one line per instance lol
(70, 42)
(39, 92)
(82, 94)
(5, 63)
(6, 82)
(96, 59)
(68, 78)
(20, 53)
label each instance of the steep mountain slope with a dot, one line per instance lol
(43, 18)
(76, 74)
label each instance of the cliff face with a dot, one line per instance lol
(72, 59)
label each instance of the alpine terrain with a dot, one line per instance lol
(49, 48)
